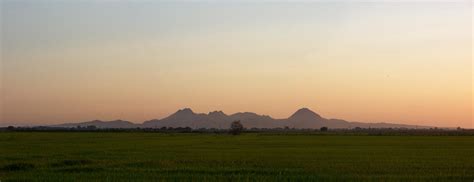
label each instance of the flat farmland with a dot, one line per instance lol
(140, 156)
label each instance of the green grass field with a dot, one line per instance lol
(43, 156)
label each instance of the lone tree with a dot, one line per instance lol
(236, 128)
(324, 129)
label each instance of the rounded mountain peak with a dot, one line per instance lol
(305, 113)
(217, 113)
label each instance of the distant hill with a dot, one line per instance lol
(101, 124)
(303, 118)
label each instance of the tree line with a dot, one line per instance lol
(237, 128)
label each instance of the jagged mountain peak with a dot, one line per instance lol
(185, 111)
(303, 118)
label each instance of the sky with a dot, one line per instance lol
(407, 62)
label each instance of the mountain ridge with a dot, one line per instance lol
(303, 118)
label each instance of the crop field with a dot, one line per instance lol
(139, 156)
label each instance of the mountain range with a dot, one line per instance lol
(303, 118)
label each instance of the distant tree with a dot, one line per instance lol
(236, 128)
(91, 127)
(10, 128)
(188, 129)
(324, 128)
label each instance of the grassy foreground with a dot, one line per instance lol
(56, 156)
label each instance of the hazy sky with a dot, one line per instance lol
(372, 61)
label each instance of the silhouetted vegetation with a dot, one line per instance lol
(236, 128)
